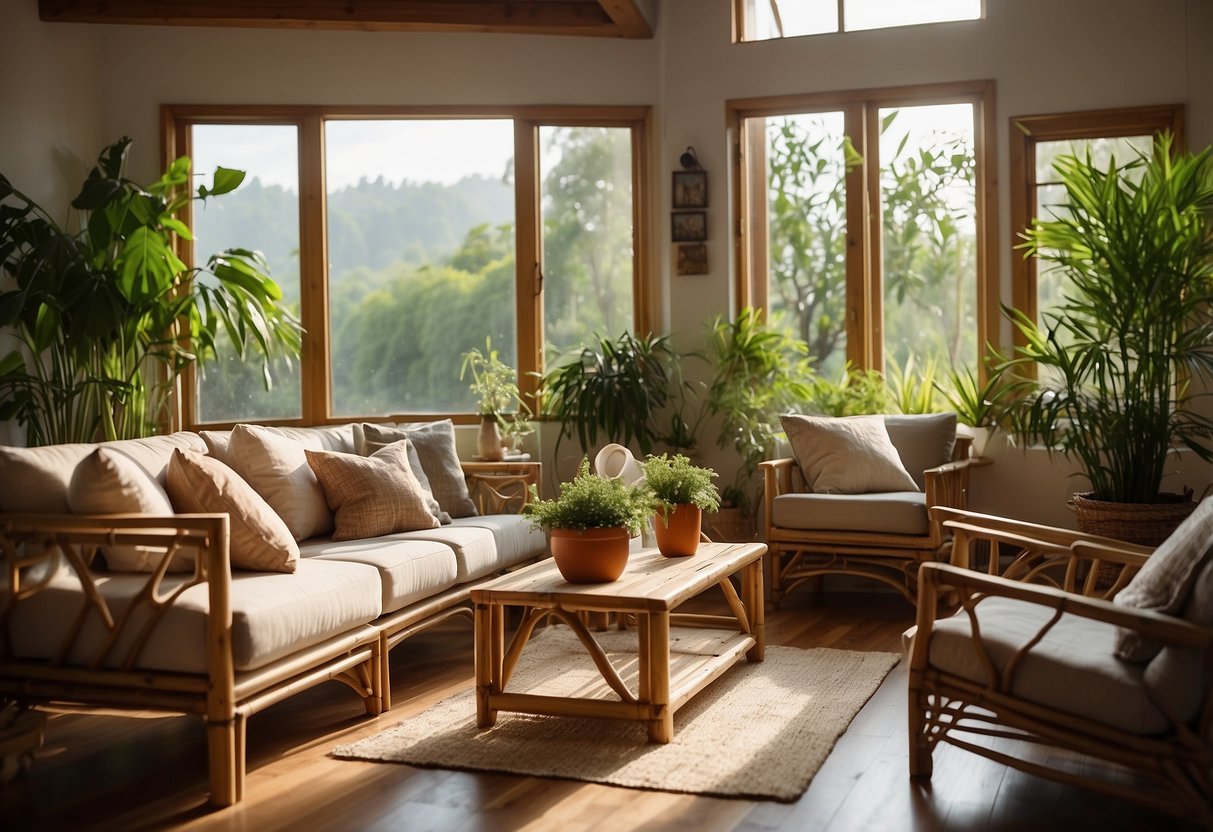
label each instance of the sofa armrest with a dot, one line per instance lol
(501, 487)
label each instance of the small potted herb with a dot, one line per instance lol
(590, 524)
(681, 492)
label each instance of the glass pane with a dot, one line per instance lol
(806, 191)
(262, 214)
(1123, 149)
(929, 236)
(882, 14)
(791, 18)
(587, 235)
(421, 259)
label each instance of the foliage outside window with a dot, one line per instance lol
(904, 290)
(436, 233)
(773, 19)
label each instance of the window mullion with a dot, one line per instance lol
(528, 257)
(313, 274)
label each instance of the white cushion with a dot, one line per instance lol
(516, 539)
(277, 469)
(409, 570)
(848, 455)
(475, 548)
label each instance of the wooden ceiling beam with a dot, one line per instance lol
(603, 18)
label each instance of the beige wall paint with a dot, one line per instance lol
(68, 89)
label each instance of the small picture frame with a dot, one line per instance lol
(689, 227)
(692, 259)
(690, 189)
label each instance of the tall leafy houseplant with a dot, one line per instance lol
(109, 316)
(1123, 357)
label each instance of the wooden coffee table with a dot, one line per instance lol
(651, 589)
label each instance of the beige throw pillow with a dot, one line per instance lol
(277, 469)
(259, 540)
(435, 443)
(109, 482)
(848, 455)
(372, 495)
(1164, 583)
(370, 438)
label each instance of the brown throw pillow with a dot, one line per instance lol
(435, 443)
(259, 540)
(848, 455)
(371, 495)
(109, 482)
(369, 438)
(1164, 583)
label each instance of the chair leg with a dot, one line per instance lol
(920, 744)
(225, 748)
(773, 570)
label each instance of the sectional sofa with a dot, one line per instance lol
(218, 573)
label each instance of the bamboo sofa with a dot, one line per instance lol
(218, 641)
(1072, 657)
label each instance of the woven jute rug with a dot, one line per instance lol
(760, 730)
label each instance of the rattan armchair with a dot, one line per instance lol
(882, 536)
(1024, 672)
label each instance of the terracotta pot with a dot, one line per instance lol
(679, 537)
(592, 556)
(488, 440)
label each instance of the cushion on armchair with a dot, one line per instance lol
(847, 455)
(890, 512)
(922, 441)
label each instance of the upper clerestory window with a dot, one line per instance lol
(771, 19)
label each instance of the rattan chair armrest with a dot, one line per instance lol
(991, 526)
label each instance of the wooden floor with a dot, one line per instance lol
(106, 770)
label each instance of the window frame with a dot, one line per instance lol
(315, 363)
(860, 108)
(742, 12)
(1025, 132)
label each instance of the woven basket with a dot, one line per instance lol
(1148, 524)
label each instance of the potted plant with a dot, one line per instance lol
(109, 316)
(977, 405)
(681, 491)
(494, 384)
(590, 524)
(1121, 362)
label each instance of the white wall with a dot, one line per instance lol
(67, 90)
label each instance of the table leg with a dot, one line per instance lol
(661, 728)
(752, 593)
(486, 681)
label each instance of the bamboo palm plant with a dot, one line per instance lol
(1125, 355)
(109, 316)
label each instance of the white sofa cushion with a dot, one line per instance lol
(409, 570)
(475, 548)
(516, 539)
(1072, 669)
(273, 615)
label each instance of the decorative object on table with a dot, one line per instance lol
(977, 405)
(590, 524)
(689, 226)
(109, 316)
(1117, 373)
(734, 739)
(692, 258)
(495, 384)
(615, 461)
(681, 492)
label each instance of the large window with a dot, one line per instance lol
(405, 240)
(865, 228)
(1035, 142)
(771, 19)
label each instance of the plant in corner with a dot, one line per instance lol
(1122, 360)
(977, 404)
(494, 384)
(110, 316)
(590, 524)
(681, 491)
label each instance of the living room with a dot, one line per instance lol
(72, 88)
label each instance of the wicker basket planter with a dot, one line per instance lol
(1148, 524)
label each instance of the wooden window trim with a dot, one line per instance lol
(1025, 132)
(865, 346)
(316, 405)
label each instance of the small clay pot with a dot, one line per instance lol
(592, 556)
(679, 537)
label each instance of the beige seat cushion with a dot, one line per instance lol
(1072, 669)
(475, 548)
(895, 512)
(514, 536)
(371, 495)
(847, 455)
(922, 441)
(1166, 580)
(36, 480)
(409, 570)
(273, 615)
(107, 481)
(276, 467)
(259, 540)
